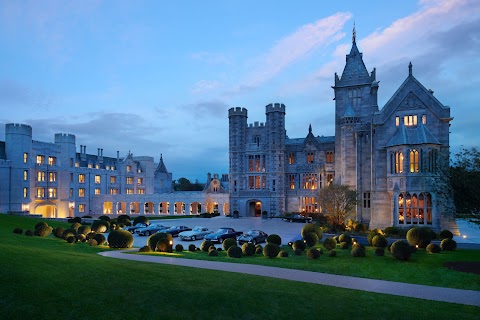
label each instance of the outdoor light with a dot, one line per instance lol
(416, 246)
(171, 242)
(464, 236)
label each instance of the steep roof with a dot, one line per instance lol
(412, 136)
(161, 168)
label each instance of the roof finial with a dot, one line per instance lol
(310, 128)
(354, 33)
(161, 156)
(410, 68)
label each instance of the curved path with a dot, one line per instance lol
(466, 297)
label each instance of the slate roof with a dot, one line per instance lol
(299, 141)
(412, 136)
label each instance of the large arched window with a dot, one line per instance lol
(398, 162)
(414, 161)
(413, 209)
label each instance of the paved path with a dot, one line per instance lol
(466, 297)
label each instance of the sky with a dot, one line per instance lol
(158, 77)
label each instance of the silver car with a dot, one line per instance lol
(194, 234)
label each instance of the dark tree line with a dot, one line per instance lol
(465, 180)
(183, 184)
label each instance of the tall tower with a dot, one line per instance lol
(66, 161)
(237, 121)
(275, 126)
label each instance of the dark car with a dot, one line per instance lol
(222, 234)
(175, 230)
(297, 218)
(151, 229)
(253, 236)
(132, 229)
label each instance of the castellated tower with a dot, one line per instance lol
(66, 161)
(237, 118)
(18, 149)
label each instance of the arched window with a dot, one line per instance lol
(413, 209)
(401, 209)
(432, 160)
(398, 162)
(413, 161)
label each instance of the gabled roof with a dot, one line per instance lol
(349, 112)
(412, 136)
(310, 139)
(161, 168)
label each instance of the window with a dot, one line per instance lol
(81, 192)
(40, 159)
(398, 162)
(113, 191)
(71, 162)
(25, 192)
(40, 192)
(129, 191)
(52, 161)
(112, 168)
(329, 178)
(413, 161)
(139, 170)
(292, 181)
(256, 163)
(139, 181)
(397, 121)
(97, 191)
(41, 176)
(256, 140)
(97, 166)
(90, 166)
(113, 179)
(77, 165)
(256, 182)
(81, 178)
(52, 192)
(107, 168)
(273, 185)
(71, 177)
(81, 208)
(97, 178)
(141, 191)
(329, 156)
(129, 180)
(424, 119)
(71, 192)
(309, 204)
(414, 209)
(410, 120)
(25, 157)
(432, 160)
(52, 176)
(309, 181)
(291, 158)
(310, 157)
(25, 175)
(129, 168)
(366, 199)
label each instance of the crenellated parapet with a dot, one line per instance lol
(64, 138)
(18, 128)
(237, 111)
(275, 107)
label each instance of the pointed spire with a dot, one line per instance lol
(310, 128)
(410, 68)
(354, 33)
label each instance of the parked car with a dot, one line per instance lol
(222, 234)
(151, 229)
(253, 236)
(175, 230)
(194, 234)
(132, 229)
(297, 218)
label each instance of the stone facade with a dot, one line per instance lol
(390, 156)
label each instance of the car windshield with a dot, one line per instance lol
(198, 229)
(222, 230)
(252, 232)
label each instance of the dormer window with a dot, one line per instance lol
(129, 168)
(256, 140)
(424, 119)
(410, 120)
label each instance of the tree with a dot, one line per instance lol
(465, 180)
(183, 184)
(338, 202)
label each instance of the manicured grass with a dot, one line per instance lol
(170, 217)
(47, 278)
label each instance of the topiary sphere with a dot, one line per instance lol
(165, 244)
(274, 238)
(152, 241)
(81, 237)
(311, 239)
(212, 248)
(248, 249)
(298, 251)
(448, 244)
(313, 253)
(389, 231)
(179, 248)
(212, 253)
(344, 245)
(146, 249)
(360, 228)
(370, 235)
(69, 232)
(141, 219)
(57, 232)
(104, 218)
(344, 238)
(18, 230)
(401, 250)
(71, 239)
(379, 241)
(93, 243)
(120, 239)
(84, 230)
(336, 239)
(380, 251)
(100, 226)
(258, 249)
(43, 231)
(282, 254)
(123, 218)
(420, 236)
(332, 253)
(192, 247)
(40, 224)
(29, 233)
(90, 235)
(75, 225)
(299, 244)
(357, 251)
(227, 243)
(100, 238)
(330, 243)
(312, 227)
(445, 234)
(206, 244)
(433, 248)
(234, 252)
(271, 250)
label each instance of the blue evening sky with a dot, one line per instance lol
(157, 77)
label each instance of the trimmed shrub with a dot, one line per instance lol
(81, 237)
(271, 250)
(40, 224)
(401, 250)
(153, 240)
(282, 254)
(336, 239)
(390, 231)
(57, 232)
(84, 230)
(344, 238)
(219, 249)
(357, 251)
(18, 230)
(179, 248)
(104, 218)
(360, 228)
(311, 239)
(274, 238)
(212, 248)
(234, 252)
(77, 219)
(123, 218)
(100, 226)
(165, 243)
(100, 238)
(298, 251)
(43, 231)
(312, 227)
(313, 253)
(75, 225)
(227, 243)
(379, 241)
(248, 249)
(380, 251)
(299, 244)
(141, 219)
(212, 253)
(330, 243)
(192, 247)
(69, 232)
(448, 244)
(332, 253)
(258, 249)
(445, 234)
(120, 239)
(344, 245)
(90, 235)
(433, 248)
(206, 244)
(71, 239)
(420, 236)
(371, 234)
(147, 249)
(93, 243)
(320, 250)
(87, 217)
(29, 233)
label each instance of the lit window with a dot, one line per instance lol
(40, 159)
(25, 175)
(52, 161)
(40, 192)
(97, 191)
(90, 165)
(129, 168)
(292, 181)
(397, 121)
(81, 208)
(113, 179)
(107, 167)
(25, 192)
(81, 192)
(97, 178)
(291, 158)
(139, 170)
(310, 157)
(141, 191)
(424, 119)
(77, 165)
(52, 176)
(129, 191)
(329, 178)
(329, 156)
(309, 181)
(25, 157)
(398, 162)
(140, 181)
(52, 192)
(129, 180)
(113, 191)
(41, 176)
(81, 178)
(97, 166)
(410, 120)
(413, 161)
(112, 168)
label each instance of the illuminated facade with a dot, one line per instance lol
(391, 156)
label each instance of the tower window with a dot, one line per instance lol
(414, 161)
(397, 121)
(410, 120)
(424, 119)
(291, 158)
(329, 156)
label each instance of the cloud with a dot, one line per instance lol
(210, 58)
(15, 94)
(204, 86)
(207, 109)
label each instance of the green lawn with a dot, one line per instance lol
(47, 278)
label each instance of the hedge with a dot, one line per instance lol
(248, 249)
(141, 219)
(299, 244)
(100, 238)
(313, 253)
(43, 231)
(311, 239)
(448, 244)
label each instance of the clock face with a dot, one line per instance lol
(215, 182)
